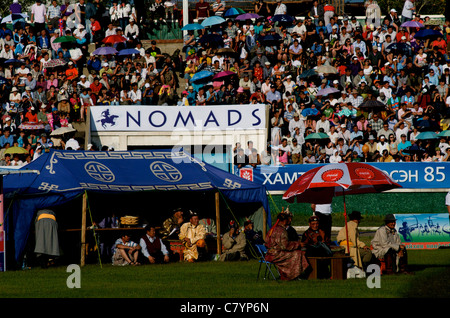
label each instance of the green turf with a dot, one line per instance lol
(223, 280)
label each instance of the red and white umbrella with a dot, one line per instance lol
(321, 184)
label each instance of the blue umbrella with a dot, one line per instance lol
(192, 26)
(427, 135)
(211, 38)
(444, 133)
(427, 33)
(15, 17)
(308, 73)
(105, 50)
(282, 18)
(310, 112)
(14, 62)
(233, 12)
(271, 39)
(128, 52)
(214, 20)
(201, 75)
(327, 91)
(400, 47)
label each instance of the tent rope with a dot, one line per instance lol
(252, 250)
(7, 211)
(93, 229)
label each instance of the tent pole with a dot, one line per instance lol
(264, 224)
(83, 230)
(219, 248)
(346, 228)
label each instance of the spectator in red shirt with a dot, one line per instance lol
(96, 86)
(202, 9)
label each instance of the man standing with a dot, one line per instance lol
(47, 242)
(408, 9)
(38, 16)
(152, 247)
(387, 245)
(202, 9)
(280, 8)
(193, 234)
(219, 8)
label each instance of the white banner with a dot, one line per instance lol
(170, 118)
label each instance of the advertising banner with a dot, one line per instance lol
(424, 231)
(170, 118)
(2, 252)
(410, 175)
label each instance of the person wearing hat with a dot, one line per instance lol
(314, 241)
(287, 256)
(234, 244)
(387, 246)
(171, 226)
(359, 251)
(193, 235)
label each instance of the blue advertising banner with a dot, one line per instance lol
(423, 231)
(410, 175)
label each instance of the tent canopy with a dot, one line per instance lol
(64, 175)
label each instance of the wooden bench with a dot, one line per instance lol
(338, 266)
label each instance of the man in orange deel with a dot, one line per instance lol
(71, 71)
(193, 236)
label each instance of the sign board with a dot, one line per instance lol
(2, 252)
(410, 175)
(424, 231)
(172, 118)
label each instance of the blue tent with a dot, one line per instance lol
(65, 175)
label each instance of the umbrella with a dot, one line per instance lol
(2, 80)
(55, 63)
(326, 69)
(16, 150)
(414, 149)
(247, 16)
(327, 91)
(315, 137)
(427, 135)
(226, 50)
(372, 103)
(113, 39)
(224, 74)
(62, 131)
(271, 39)
(65, 39)
(233, 12)
(321, 184)
(129, 52)
(192, 26)
(310, 112)
(105, 50)
(14, 17)
(400, 47)
(211, 38)
(15, 62)
(31, 126)
(412, 24)
(282, 18)
(308, 73)
(214, 20)
(201, 75)
(444, 133)
(427, 33)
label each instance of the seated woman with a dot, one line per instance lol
(286, 255)
(316, 243)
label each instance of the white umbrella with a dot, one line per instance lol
(62, 131)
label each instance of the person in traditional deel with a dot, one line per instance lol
(316, 243)
(387, 245)
(171, 226)
(47, 241)
(234, 243)
(193, 234)
(286, 255)
(359, 251)
(153, 249)
(292, 233)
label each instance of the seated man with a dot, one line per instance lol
(314, 240)
(152, 247)
(171, 226)
(387, 245)
(234, 243)
(125, 251)
(359, 252)
(193, 234)
(210, 226)
(286, 255)
(253, 237)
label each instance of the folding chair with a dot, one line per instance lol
(262, 260)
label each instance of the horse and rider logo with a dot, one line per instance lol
(107, 119)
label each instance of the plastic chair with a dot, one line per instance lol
(262, 250)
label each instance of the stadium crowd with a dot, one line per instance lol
(370, 87)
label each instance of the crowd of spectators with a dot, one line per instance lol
(54, 82)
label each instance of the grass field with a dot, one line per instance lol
(223, 280)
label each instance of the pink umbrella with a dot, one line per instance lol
(321, 184)
(223, 74)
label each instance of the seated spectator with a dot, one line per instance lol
(193, 234)
(153, 249)
(234, 243)
(387, 245)
(314, 240)
(126, 252)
